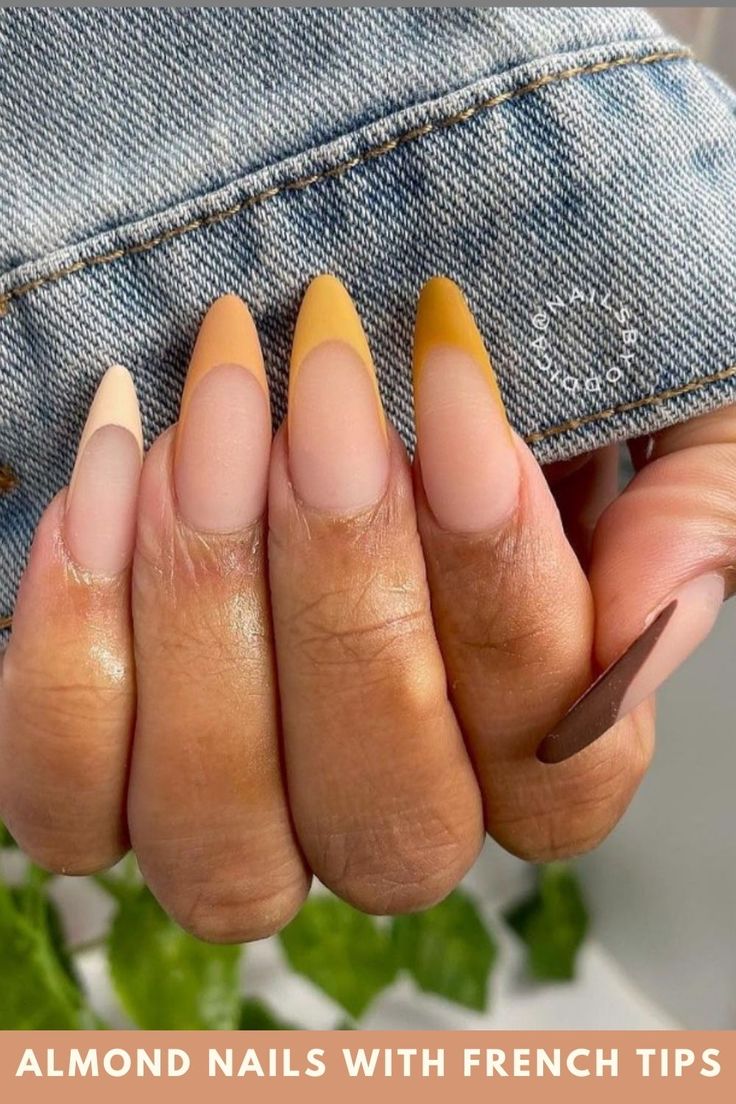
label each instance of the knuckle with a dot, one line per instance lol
(223, 912)
(341, 629)
(582, 807)
(406, 868)
(73, 858)
(226, 905)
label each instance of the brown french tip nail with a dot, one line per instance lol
(599, 707)
(668, 639)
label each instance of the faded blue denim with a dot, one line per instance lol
(569, 167)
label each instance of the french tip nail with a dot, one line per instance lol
(470, 469)
(669, 637)
(224, 433)
(337, 431)
(444, 318)
(99, 519)
(227, 335)
(328, 313)
(115, 403)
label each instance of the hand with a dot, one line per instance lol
(360, 682)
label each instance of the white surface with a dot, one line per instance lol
(663, 886)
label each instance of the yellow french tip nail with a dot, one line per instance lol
(328, 313)
(444, 318)
(227, 335)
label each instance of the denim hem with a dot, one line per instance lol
(294, 174)
(606, 173)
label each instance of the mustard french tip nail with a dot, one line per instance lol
(224, 433)
(338, 444)
(445, 319)
(99, 520)
(328, 313)
(468, 459)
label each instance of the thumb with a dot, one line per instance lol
(661, 567)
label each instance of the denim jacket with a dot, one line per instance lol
(574, 169)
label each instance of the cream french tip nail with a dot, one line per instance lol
(671, 634)
(466, 451)
(338, 444)
(223, 438)
(99, 518)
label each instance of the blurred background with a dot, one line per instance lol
(710, 31)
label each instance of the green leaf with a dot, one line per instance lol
(6, 840)
(448, 950)
(342, 951)
(255, 1015)
(42, 914)
(552, 922)
(164, 977)
(37, 992)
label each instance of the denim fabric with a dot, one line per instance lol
(569, 167)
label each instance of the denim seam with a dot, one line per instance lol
(372, 153)
(633, 404)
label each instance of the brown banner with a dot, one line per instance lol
(321, 1066)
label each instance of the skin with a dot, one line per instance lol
(359, 697)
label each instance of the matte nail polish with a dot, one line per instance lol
(99, 518)
(224, 434)
(466, 451)
(338, 445)
(671, 634)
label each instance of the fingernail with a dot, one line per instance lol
(466, 451)
(223, 438)
(338, 446)
(672, 633)
(99, 519)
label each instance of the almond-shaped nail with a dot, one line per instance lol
(671, 634)
(338, 445)
(223, 438)
(466, 451)
(99, 518)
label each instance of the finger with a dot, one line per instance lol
(67, 695)
(583, 495)
(663, 559)
(512, 607)
(382, 791)
(207, 807)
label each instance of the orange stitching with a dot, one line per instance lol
(342, 167)
(623, 408)
(8, 480)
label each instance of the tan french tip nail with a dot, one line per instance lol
(227, 335)
(99, 521)
(224, 433)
